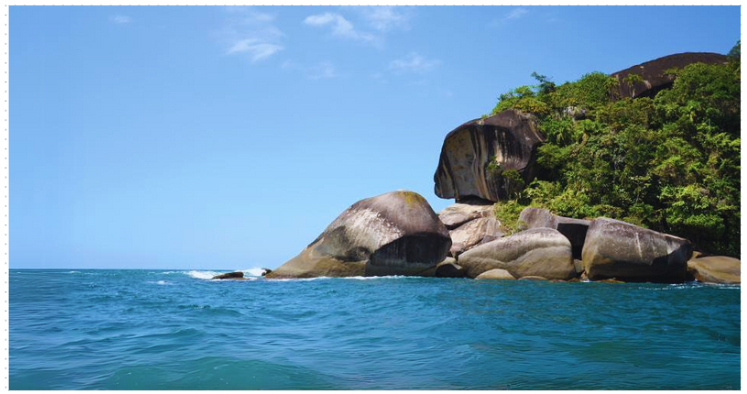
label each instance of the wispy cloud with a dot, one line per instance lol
(322, 70)
(386, 18)
(120, 19)
(250, 33)
(340, 27)
(514, 14)
(413, 62)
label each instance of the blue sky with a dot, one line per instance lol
(228, 138)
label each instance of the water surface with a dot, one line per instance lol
(141, 329)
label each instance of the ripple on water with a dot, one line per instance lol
(180, 330)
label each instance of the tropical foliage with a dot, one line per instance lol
(671, 163)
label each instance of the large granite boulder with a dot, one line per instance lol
(458, 214)
(715, 269)
(653, 74)
(495, 274)
(468, 235)
(537, 252)
(620, 250)
(396, 233)
(509, 140)
(573, 229)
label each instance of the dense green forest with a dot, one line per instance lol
(670, 163)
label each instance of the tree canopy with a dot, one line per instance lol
(670, 163)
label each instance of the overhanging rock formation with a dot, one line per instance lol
(653, 74)
(508, 139)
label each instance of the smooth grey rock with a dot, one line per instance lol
(458, 214)
(715, 269)
(496, 274)
(573, 229)
(396, 233)
(620, 250)
(537, 252)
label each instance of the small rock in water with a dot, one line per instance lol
(230, 275)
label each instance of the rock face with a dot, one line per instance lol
(509, 139)
(496, 274)
(230, 275)
(626, 252)
(654, 76)
(716, 269)
(537, 252)
(472, 233)
(449, 269)
(458, 214)
(573, 229)
(396, 233)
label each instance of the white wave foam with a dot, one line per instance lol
(344, 278)
(257, 272)
(74, 272)
(161, 282)
(207, 275)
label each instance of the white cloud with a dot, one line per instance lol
(386, 18)
(413, 63)
(340, 26)
(514, 14)
(120, 19)
(250, 33)
(256, 49)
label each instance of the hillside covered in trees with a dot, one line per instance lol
(668, 161)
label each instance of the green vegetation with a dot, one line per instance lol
(671, 163)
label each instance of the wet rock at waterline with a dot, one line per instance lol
(230, 275)
(477, 156)
(449, 269)
(396, 233)
(715, 269)
(537, 252)
(620, 250)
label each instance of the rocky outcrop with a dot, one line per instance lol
(230, 275)
(266, 271)
(472, 233)
(537, 252)
(715, 269)
(651, 77)
(396, 233)
(508, 140)
(626, 252)
(573, 229)
(450, 269)
(496, 274)
(458, 214)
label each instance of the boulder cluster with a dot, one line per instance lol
(398, 233)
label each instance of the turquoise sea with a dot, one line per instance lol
(150, 329)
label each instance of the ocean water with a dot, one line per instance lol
(141, 329)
